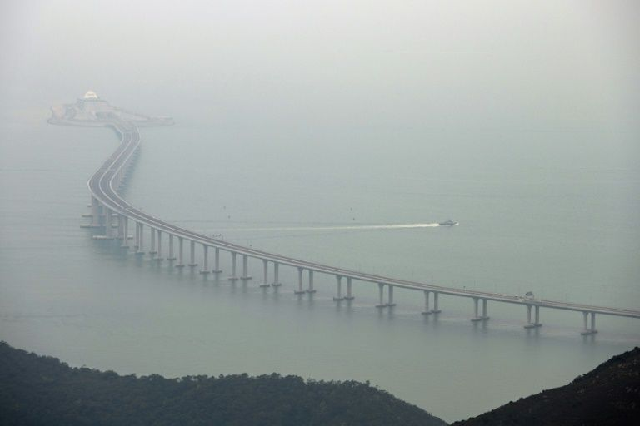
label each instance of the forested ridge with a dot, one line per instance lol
(41, 390)
(608, 395)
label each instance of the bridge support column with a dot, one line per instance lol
(276, 282)
(205, 262)
(159, 249)
(125, 231)
(475, 310)
(136, 242)
(349, 295)
(435, 309)
(426, 303)
(245, 275)
(299, 290)
(121, 227)
(180, 253)
(339, 288)
(140, 227)
(118, 226)
(171, 256)
(216, 261)
(310, 290)
(233, 276)
(530, 324)
(192, 261)
(153, 250)
(108, 225)
(102, 211)
(95, 212)
(390, 296)
(586, 331)
(381, 303)
(485, 315)
(265, 274)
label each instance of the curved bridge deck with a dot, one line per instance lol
(104, 186)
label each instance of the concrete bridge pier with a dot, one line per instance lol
(587, 331)
(390, 296)
(299, 290)
(426, 303)
(435, 309)
(245, 275)
(339, 288)
(95, 215)
(125, 231)
(118, 226)
(136, 241)
(265, 272)
(276, 282)
(108, 224)
(171, 256)
(180, 253)
(381, 303)
(234, 276)
(95, 212)
(102, 211)
(159, 247)
(310, 289)
(121, 234)
(192, 258)
(153, 250)
(533, 324)
(140, 250)
(477, 317)
(475, 310)
(205, 262)
(349, 295)
(216, 261)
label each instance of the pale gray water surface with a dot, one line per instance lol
(561, 222)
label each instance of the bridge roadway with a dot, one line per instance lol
(104, 186)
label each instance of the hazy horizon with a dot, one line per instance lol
(497, 64)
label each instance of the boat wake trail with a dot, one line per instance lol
(343, 227)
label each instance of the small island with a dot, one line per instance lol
(91, 110)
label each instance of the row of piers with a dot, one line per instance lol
(107, 182)
(117, 227)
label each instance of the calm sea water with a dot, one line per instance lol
(554, 212)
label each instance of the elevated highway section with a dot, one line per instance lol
(109, 211)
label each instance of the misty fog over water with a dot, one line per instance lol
(320, 130)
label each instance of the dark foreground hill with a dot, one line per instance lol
(608, 395)
(37, 390)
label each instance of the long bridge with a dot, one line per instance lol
(111, 212)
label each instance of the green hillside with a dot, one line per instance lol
(37, 390)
